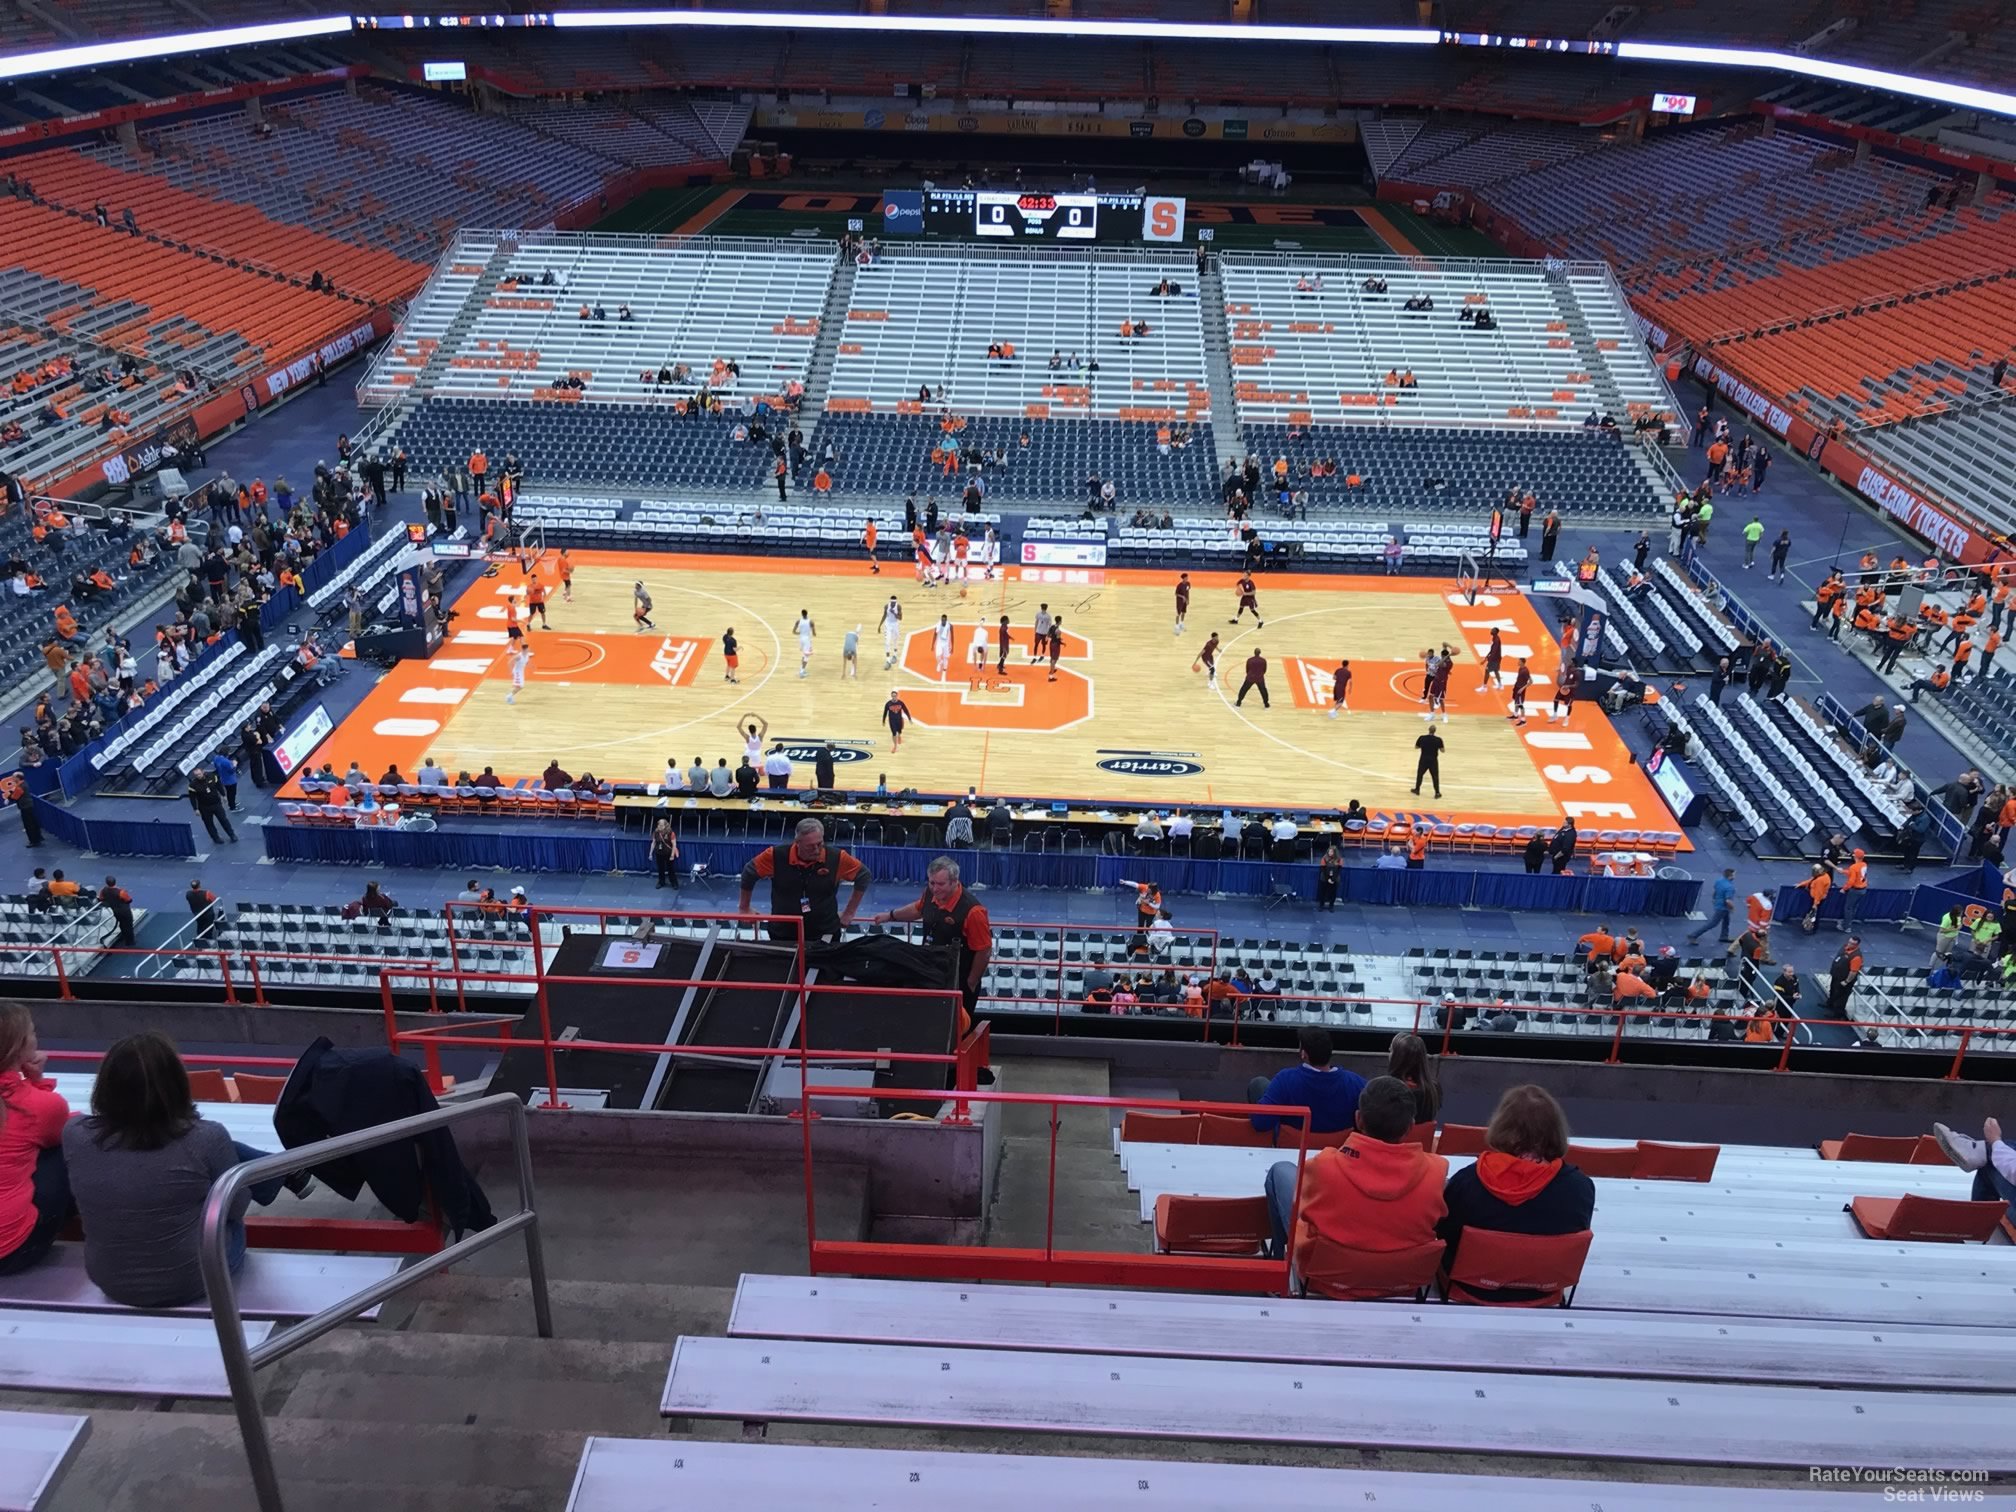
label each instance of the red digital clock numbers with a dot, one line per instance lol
(1037, 202)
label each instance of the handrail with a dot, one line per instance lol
(241, 1360)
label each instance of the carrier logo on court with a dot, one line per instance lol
(1151, 764)
(807, 751)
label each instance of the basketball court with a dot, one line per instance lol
(1128, 719)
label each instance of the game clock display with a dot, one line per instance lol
(1028, 215)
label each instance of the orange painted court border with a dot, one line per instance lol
(1584, 764)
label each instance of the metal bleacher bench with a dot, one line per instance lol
(1490, 1412)
(36, 1448)
(639, 1475)
(123, 1354)
(843, 1310)
(273, 1284)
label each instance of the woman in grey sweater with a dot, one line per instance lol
(141, 1167)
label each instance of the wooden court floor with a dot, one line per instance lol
(1128, 720)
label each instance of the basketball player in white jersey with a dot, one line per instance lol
(805, 634)
(521, 657)
(977, 653)
(892, 631)
(752, 740)
(1039, 635)
(941, 645)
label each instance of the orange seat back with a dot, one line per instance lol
(1605, 1160)
(1330, 1141)
(1227, 1129)
(209, 1086)
(259, 1089)
(1928, 1152)
(1211, 1225)
(1897, 1151)
(1669, 1162)
(1461, 1139)
(1422, 1134)
(1488, 1260)
(1938, 1220)
(1355, 1274)
(1160, 1128)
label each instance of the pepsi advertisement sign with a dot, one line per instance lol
(903, 212)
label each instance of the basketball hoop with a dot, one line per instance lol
(1468, 578)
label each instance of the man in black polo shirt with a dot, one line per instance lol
(951, 916)
(805, 880)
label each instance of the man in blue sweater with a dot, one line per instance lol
(1722, 908)
(1330, 1093)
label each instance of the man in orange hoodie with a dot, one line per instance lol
(1373, 1193)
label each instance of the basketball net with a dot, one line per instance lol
(1468, 578)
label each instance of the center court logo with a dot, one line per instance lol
(1151, 764)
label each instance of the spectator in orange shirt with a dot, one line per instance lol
(1599, 943)
(1988, 649)
(1816, 888)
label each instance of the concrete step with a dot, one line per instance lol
(475, 1380)
(161, 1461)
(618, 1312)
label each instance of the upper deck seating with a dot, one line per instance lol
(1340, 353)
(921, 318)
(750, 301)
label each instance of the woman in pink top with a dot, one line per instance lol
(34, 1184)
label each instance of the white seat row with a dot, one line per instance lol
(1620, 602)
(272, 1284)
(921, 317)
(1844, 816)
(1846, 763)
(1326, 353)
(639, 1475)
(189, 718)
(771, 1380)
(364, 569)
(1584, 1341)
(1753, 823)
(1725, 639)
(124, 1354)
(238, 713)
(36, 1448)
(248, 1123)
(175, 698)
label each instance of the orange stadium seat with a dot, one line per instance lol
(1619, 1161)
(1228, 1129)
(1210, 1225)
(1488, 1261)
(1160, 1128)
(1461, 1139)
(1360, 1275)
(1870, 1147)
(1933, 1219)
(1670, 1162)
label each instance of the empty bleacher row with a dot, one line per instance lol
(623, 446)
(1986, 706)
(1917, 1016)
(1729, 800)
(29, 927)
(1064, 457)
(1589, 476)
(808, 531)
(1311, 343)
(299, 946)
(1357, 545)
(651, 130)
(1061, 323)
(204, 720)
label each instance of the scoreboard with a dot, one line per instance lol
(1032, 215)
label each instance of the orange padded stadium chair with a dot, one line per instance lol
(209, 1086)
(259, 1089)
(1928, 1152)
(1670, 1162)
(1461, 1139)
(1605, 1160)
(1210, 1225)
(1422, 1134)
(1349, 1275)
(1228, 1129)
(1938, 1219)
(1870, 1147)
(1160, 1128)
(1488, 1260)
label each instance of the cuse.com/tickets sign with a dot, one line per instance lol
(1161, 219)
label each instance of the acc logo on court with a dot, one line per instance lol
(1151, 766)
(809, 752)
